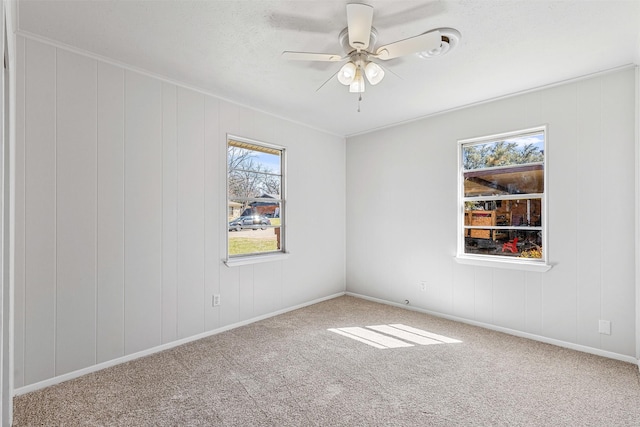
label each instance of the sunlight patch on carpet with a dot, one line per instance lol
(370, 337)
(392, 336)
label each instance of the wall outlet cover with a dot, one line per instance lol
(604, 327)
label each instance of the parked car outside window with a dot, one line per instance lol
(249, 222)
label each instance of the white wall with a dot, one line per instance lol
(402, 204)
(6, 79)
(121, 214)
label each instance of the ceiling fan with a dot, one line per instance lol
(358, 41)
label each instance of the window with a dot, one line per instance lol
(256, 205)
(502, 195)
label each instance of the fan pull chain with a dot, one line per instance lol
(359, 99)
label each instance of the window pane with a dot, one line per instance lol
(514, 213)
(526, 179)
(252, 160)
(249, 184)
(269, 208)
(248, 242)
(517, 150)
(509, 243)
(253, 174)
(254, 232)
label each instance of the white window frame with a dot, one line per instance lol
(282, 253)
(493, 260)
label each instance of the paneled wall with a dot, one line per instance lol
(402, 204)
(121, 214)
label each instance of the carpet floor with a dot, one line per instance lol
(324, 365)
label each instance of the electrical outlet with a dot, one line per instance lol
(216, 300)
(423, 286)
(604, 327)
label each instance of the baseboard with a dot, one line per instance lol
(559, 343)
(100, 366)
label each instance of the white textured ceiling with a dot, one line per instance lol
(232, 49)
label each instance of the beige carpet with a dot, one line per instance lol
(291, 370)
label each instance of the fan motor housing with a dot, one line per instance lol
(344, 40)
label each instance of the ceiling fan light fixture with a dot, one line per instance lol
(357, 86)
(358, 40)
(347, 73)
(374, 73)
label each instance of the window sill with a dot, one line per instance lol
(255, 259)
(503, 263)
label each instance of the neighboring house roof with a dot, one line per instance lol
(266, 196)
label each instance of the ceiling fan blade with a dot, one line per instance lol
(310, 56)
(359, 19)
(423, 42)
(327, 81)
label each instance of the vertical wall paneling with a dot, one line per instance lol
(76, 202)
(169, 214)
(560, 292)
(637, 210)
(229, 278)
(40, 212)
(617, 201)
(229, 295)
(143, 212)
(246, 291)
(589, 183)
(110, 297)
(463, 291)
(534, 109)
(190, 212)
(265, 295)
(121, 214)
(508, 299)
(19, 212)
(533, 302)
(214, 223)
(278, 288)
(5, 301)
(8, 87)
(483, 281)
